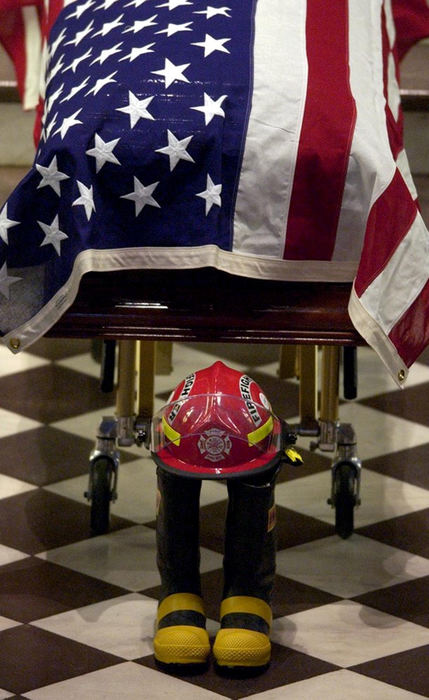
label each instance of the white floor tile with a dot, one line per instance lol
(373, 377)
(336, 686)
(9, 555)
(10, 363)
(86, 425)
(137, 489)
(350, 567)
(382, 497)
(127, 681)
(6, 624)
(12, 423)
(122, 626)
(346, 633)
(124, 558)
(379, 433)
(9, 486)
(83, 363)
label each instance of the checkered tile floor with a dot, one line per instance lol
(77, 613)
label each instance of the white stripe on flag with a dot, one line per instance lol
(390, 22)
(371, 164)
(392, 87)
(33, 39)
(43, 64)
(403, 278)
(280, 80)
(403, 166)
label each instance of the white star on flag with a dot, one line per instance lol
(137, 109)
(140, 24)
(142, 196)
(172, 72)
(211, 194)
(52, 123)
(103, 152)
(81, 35)
(106, 53)
(176, 150)
(55, 44)
(106, 4)
(56, 68)
(6, 281)
(174, 28)
(136, 3)
(86, 199)
(172, 4)
(211, 108)
(51, 176)
(75, 90)
(68, 122)
(80, 9)
(51, 99)
(74, 64)
(213, 11)
(109, 26)
(210, 44)
(136, 52)
(5, 224)
(53, 235)
(101, 82)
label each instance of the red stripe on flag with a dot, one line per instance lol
(12, 36)
(326, 135)
(55, 7)
(389, 221)
(412, 23)
(411, 334)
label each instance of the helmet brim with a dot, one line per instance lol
(178, 467)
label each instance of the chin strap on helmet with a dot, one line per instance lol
(289, 454)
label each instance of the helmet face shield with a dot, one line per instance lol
(216, 435)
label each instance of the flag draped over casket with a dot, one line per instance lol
(261, 137)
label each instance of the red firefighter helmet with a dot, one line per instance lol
(218, 424)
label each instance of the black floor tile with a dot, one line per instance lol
(407, 670)
(31, 658)
(31, 589)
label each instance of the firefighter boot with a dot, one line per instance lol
(181, 637)
(249, 566)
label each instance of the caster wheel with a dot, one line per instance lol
(345, 499)
(102, 470)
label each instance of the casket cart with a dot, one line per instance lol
(141, 308)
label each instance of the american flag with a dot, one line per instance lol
(177, 133)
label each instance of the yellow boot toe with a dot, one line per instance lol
(181, 644)
(181, 637)
(243, 640)
(240, 647)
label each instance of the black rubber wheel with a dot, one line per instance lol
(102, 474)
(345, 499)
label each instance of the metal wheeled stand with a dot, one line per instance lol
(129, 426)
(134, 409)
(323, 423)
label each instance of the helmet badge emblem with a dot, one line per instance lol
(214, 444)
